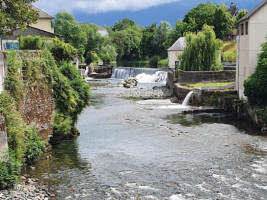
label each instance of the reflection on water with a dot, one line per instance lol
(196, 119)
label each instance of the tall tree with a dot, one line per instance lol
(202, 51)
(72, 32)
(241, 14)
(160, 38)
(178, 31)
(147, 42)
(121, 25)
(16, 14)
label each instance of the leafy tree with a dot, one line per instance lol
(178, 31)
(241, 14)
(202, 51)
(72, 32)
(108, 53)
(210, 14)
(94, 39)
(160, 38)
(124, 24)
(16, 14)
(127, 42)
(147, 42)
(255, 86)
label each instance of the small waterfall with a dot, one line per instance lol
(143, 75)
(187, 98)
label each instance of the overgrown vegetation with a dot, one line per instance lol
(255, 85)
(71, 94)
(202, 51)
(229, 50)
(30, 43)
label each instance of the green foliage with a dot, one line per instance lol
(62, 125)
(9, 171)
(13, 82)
(108, 53)
(147, 42)
(72, 32)
(15, 126)
(16, 14)
(124, 24)
(163, 63)
(92, 57)
(160, 37)
(202, 51)
(30, 43)
(241, 14)
(153, 62)
(61, 51)
(255, 85)
(178, 31)
(34, 145)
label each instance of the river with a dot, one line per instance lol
(131, 149)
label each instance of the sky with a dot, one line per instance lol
(143, 12)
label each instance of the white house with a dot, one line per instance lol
(102, 31)
(252, 33)
(175, 50)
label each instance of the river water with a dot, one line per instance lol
(131, 149)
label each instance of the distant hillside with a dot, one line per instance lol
(229, 50)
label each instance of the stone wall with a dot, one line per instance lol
(170, 80)
(185, 77)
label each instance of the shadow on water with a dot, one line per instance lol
(63, 156)
(196, 119)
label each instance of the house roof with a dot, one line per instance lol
(179, 45)
(254, 10)
(42, 14)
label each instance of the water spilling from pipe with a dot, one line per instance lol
(187, 98)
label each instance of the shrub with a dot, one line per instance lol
(255, 85)
(62, 125)
(34, 145)
(61, 51)
(9, 171)
(30, 43)
(153, 62)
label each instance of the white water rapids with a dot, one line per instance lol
(143, 75)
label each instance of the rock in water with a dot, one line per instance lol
(130, 83)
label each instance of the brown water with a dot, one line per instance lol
(151, 151)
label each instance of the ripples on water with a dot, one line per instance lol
(130, 151)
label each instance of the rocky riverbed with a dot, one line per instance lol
(27, 188)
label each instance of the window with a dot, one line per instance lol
(242, 29)
(246, 28)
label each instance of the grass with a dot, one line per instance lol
(229, 50)
(199, 85)
(163, 63)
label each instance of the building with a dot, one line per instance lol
(233, 10)
(102, 31)
(174, 51)
(252, 33)
(43, 28)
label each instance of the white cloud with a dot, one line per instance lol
(98, 6)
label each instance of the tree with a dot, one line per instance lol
(147, 42)
(121, 25)
(255, 86)
(178, 31)
(210, 14)
(202, 51)
(241, 14)
(127, 42)
(72, 32)
(16, 14)
(160, 38)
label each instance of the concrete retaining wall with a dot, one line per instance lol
(185, 77)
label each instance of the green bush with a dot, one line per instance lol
(229, 56)
(255, 85)
(34, 145)
(61, 51)
(62, 125)
(30, 43)
(9, 171)
(153, 62)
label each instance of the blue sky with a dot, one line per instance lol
(143, 12)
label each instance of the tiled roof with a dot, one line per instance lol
(42, 14)
(253, 11)
(179, 45)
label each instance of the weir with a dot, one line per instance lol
(143, 75)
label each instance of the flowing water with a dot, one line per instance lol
(132, 149)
